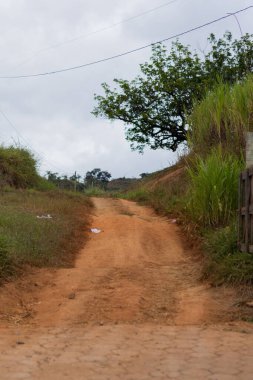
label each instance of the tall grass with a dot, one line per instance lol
(222, 118)
(213, 191)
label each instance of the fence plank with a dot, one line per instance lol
(245, 211)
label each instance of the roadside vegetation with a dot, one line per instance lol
(204, 101)
(203, 194)
(39, 225)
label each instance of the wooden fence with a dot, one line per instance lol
(245, 228)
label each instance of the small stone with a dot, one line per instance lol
(101, 323)
(72, 296)
(249, 304)
(20, 342)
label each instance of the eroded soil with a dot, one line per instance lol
(132, 308)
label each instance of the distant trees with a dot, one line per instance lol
(64, 182)
(144, 175)
(154, 106)
(75, 182)
(97, 178)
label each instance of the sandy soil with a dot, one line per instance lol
(134, 280)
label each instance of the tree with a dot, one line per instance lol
(154, 106)
(97, 177)
(65, 182)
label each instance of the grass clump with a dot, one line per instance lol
(41, 242)
(222, 118)
(224, 263)
(213, 192)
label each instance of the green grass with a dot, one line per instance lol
(25, 239)
(222, 119)
(95, 192)
(213, 192)
(138, 195)
(224, 263)
(164, 198)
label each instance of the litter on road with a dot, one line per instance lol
(95, 230)
(48, 216)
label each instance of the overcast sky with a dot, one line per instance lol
(52, 114)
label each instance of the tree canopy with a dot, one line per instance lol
(154, 106)
(97, 177)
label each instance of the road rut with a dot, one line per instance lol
(132, 308)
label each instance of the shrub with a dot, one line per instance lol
(17, 167)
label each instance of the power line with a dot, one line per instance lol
(40, 155)
(127, 52)
(106, 27)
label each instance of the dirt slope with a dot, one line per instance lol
(128, 305)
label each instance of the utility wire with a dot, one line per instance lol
(108, 27)
(40, 155)
(127, 52)
(104, 29)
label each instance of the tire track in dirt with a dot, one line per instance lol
(137, 275)
(134, 271)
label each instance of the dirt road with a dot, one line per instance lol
(132, 308)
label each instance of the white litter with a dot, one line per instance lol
(173, 220)
(95, 230)
(48, 216)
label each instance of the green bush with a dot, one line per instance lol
(213, 191)
(17, 167)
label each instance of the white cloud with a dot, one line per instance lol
(53, 113)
